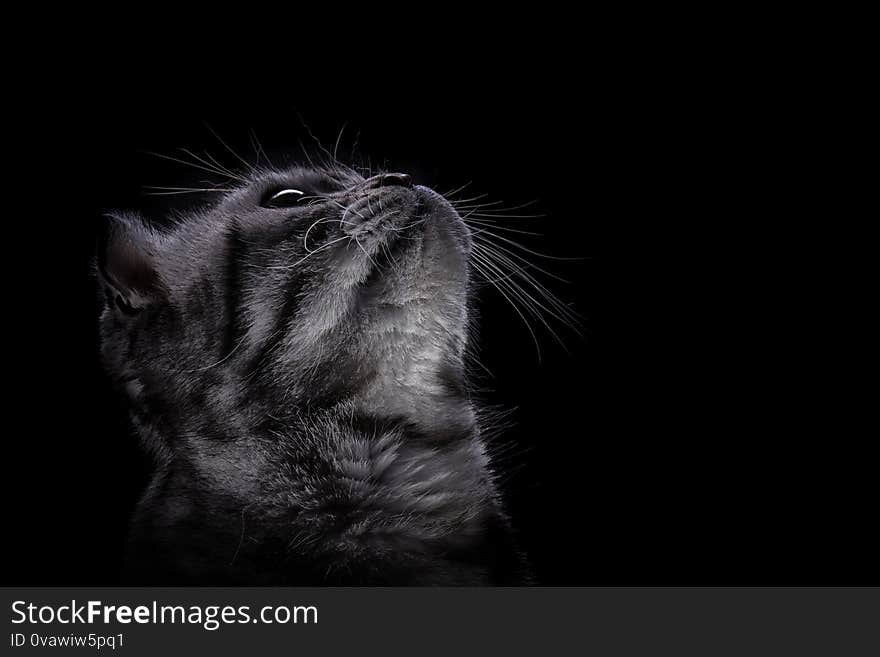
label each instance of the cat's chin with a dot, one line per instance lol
(440, 208)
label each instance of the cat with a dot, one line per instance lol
(293, 359)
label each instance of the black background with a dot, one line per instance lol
(678, 440)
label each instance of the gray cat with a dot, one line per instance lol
(293, 357)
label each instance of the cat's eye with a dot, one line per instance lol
(283, 198)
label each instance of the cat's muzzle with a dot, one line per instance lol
(381, 202)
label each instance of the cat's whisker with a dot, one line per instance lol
(493, 280)
(307, 155)
(483, 238)
(408, 226)
(323, 247)
(213, 163)
(361, 246)
(557, 309)
(393, 262)
(482, 224)
(499, 215)
(506, 269)
(309, 230)
(529, 302)
(248, 165)
(258, 149)
(530, 251)
(217, 163)
(331, 161)
(567, 316)
(345, 210)
(312, 135)
(342, 222)
(338, 139)
(490, 206)
(168, 191)
(316, 199)
(197, 166)
(481, 269)
(456, 190)
(461, 201)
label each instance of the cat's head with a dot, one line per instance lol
(296, 290)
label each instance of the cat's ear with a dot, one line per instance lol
(126, 262)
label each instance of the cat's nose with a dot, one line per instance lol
(388, 180)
